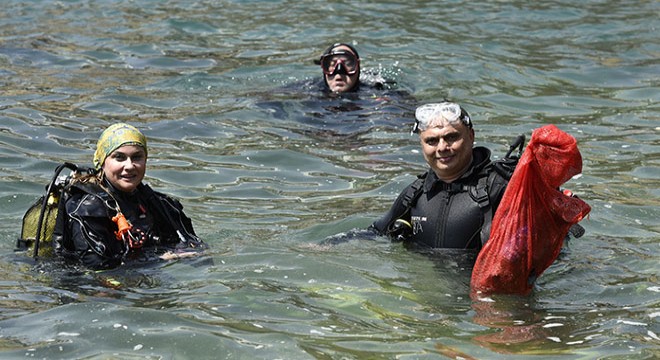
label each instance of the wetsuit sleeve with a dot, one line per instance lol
(354, 234)
(175, 227)
(398, 210)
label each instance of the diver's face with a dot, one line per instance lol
(125, 167)
(341, 81)
(447, 149)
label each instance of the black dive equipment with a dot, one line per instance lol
(35, 228)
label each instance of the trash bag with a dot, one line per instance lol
(533, 217)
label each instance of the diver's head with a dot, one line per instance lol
(340, 63)
(439, 114)
(121, 156)
(447, 138)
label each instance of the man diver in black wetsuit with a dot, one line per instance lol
(451, 205)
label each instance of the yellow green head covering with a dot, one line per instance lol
(116, 136)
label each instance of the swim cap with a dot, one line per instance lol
(114, 137)
(336, 45)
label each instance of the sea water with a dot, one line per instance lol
(267, 167)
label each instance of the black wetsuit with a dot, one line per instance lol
(85, 232)
(449, 215)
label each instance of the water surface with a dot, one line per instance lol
(267, 168)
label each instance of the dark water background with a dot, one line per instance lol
(267, 168)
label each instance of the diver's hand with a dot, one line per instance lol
(355, 234)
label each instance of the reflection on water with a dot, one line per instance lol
(267, 166)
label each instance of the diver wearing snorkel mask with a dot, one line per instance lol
(341, 68)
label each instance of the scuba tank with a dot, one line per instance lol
(39, 219)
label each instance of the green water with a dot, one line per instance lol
(267, 169)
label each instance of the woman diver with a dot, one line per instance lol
(109, 216)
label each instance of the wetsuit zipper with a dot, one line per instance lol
(442, 220)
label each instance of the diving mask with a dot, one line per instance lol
(429, 115)
(338, 62)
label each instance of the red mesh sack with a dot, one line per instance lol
(533, 217)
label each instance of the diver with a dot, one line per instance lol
(452, 204)
(341, 67)
(109, 216)
(347, 100)
(344, 76)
